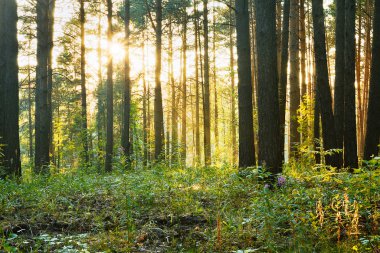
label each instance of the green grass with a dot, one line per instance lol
(191, 210)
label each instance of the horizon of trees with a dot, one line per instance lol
(240, 82)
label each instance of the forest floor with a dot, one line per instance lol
(163, 209)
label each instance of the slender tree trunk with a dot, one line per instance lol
(206, 99)
(50, 77)
(125, 137)
(82, 19)
(216, 112)
(339, 74)
(294, 75)
(100, 118)
(9, 101)
(284, 73)
(184, 90)
(246, 137)
(197, 100)
(359, 84)
(30, 122)
(42, 124)
(158, 108)
(350, 140)
(268, 105)
(233, 92)
(302, 35)
(323, 88)
(372, 139)
(145, 99)
(109, 143)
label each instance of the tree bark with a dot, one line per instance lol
(246, 138)
(158, 108)
(125, 137)
(233, 91)
(284, 72)
(372, 139)
(109, 142)
(184, 90)
(42, 124)
(197, 100)
(350, 138)
(323, 88)
(206, 99)
(82, 19)
(294, 76)
(9, 101)
(268, 105)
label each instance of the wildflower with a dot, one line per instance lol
(281, 181)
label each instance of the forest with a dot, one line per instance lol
(190, 126)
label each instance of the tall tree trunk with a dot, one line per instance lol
(109, 142)
(174, 114)
(246, 138)
(268, 105)
(30, 104)
(100, 118)
(302, 36)
(206, 99)
(197, 114)
(294, 75)
(360, 121)
(372, 139)
(184, 92)
(42, 124)
(216, 112)
(145, 112)
(158, 108)
(339, 73)
(82, 19)
(323, 88)
(233, 92)
(350, 140)
(9, 101)
(50, 76)
(125, 137)
(284, 73)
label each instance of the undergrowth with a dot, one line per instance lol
(161, 209)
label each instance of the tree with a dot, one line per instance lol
(339, 73)
(373, 119)
(206, 99)
(233, 92)
(9, 101)
(350, 140)
(42, 124)
(284, 72)
(184, 87)
(323, 88)
(82, 20)
(246, 138)
(294, 79)
(109, 142)
(158, 108)
(125, 136)
(268, 105)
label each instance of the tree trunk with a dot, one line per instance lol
(206, 99)
(284, 73)
(50, 77)
(158, 108)
(125, 137)
(302, 36)
(373, 119)
(294, 76)
(184, 92)
(82, 19)
(323, 88)
(9, 101)
(233, 92)
(216, 112)
(197, 113)
(350, 140)
(246, 138)
(268, 105)
(109, 142)
(42, 124)
(145, 111)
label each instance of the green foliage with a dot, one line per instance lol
(193, 210)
